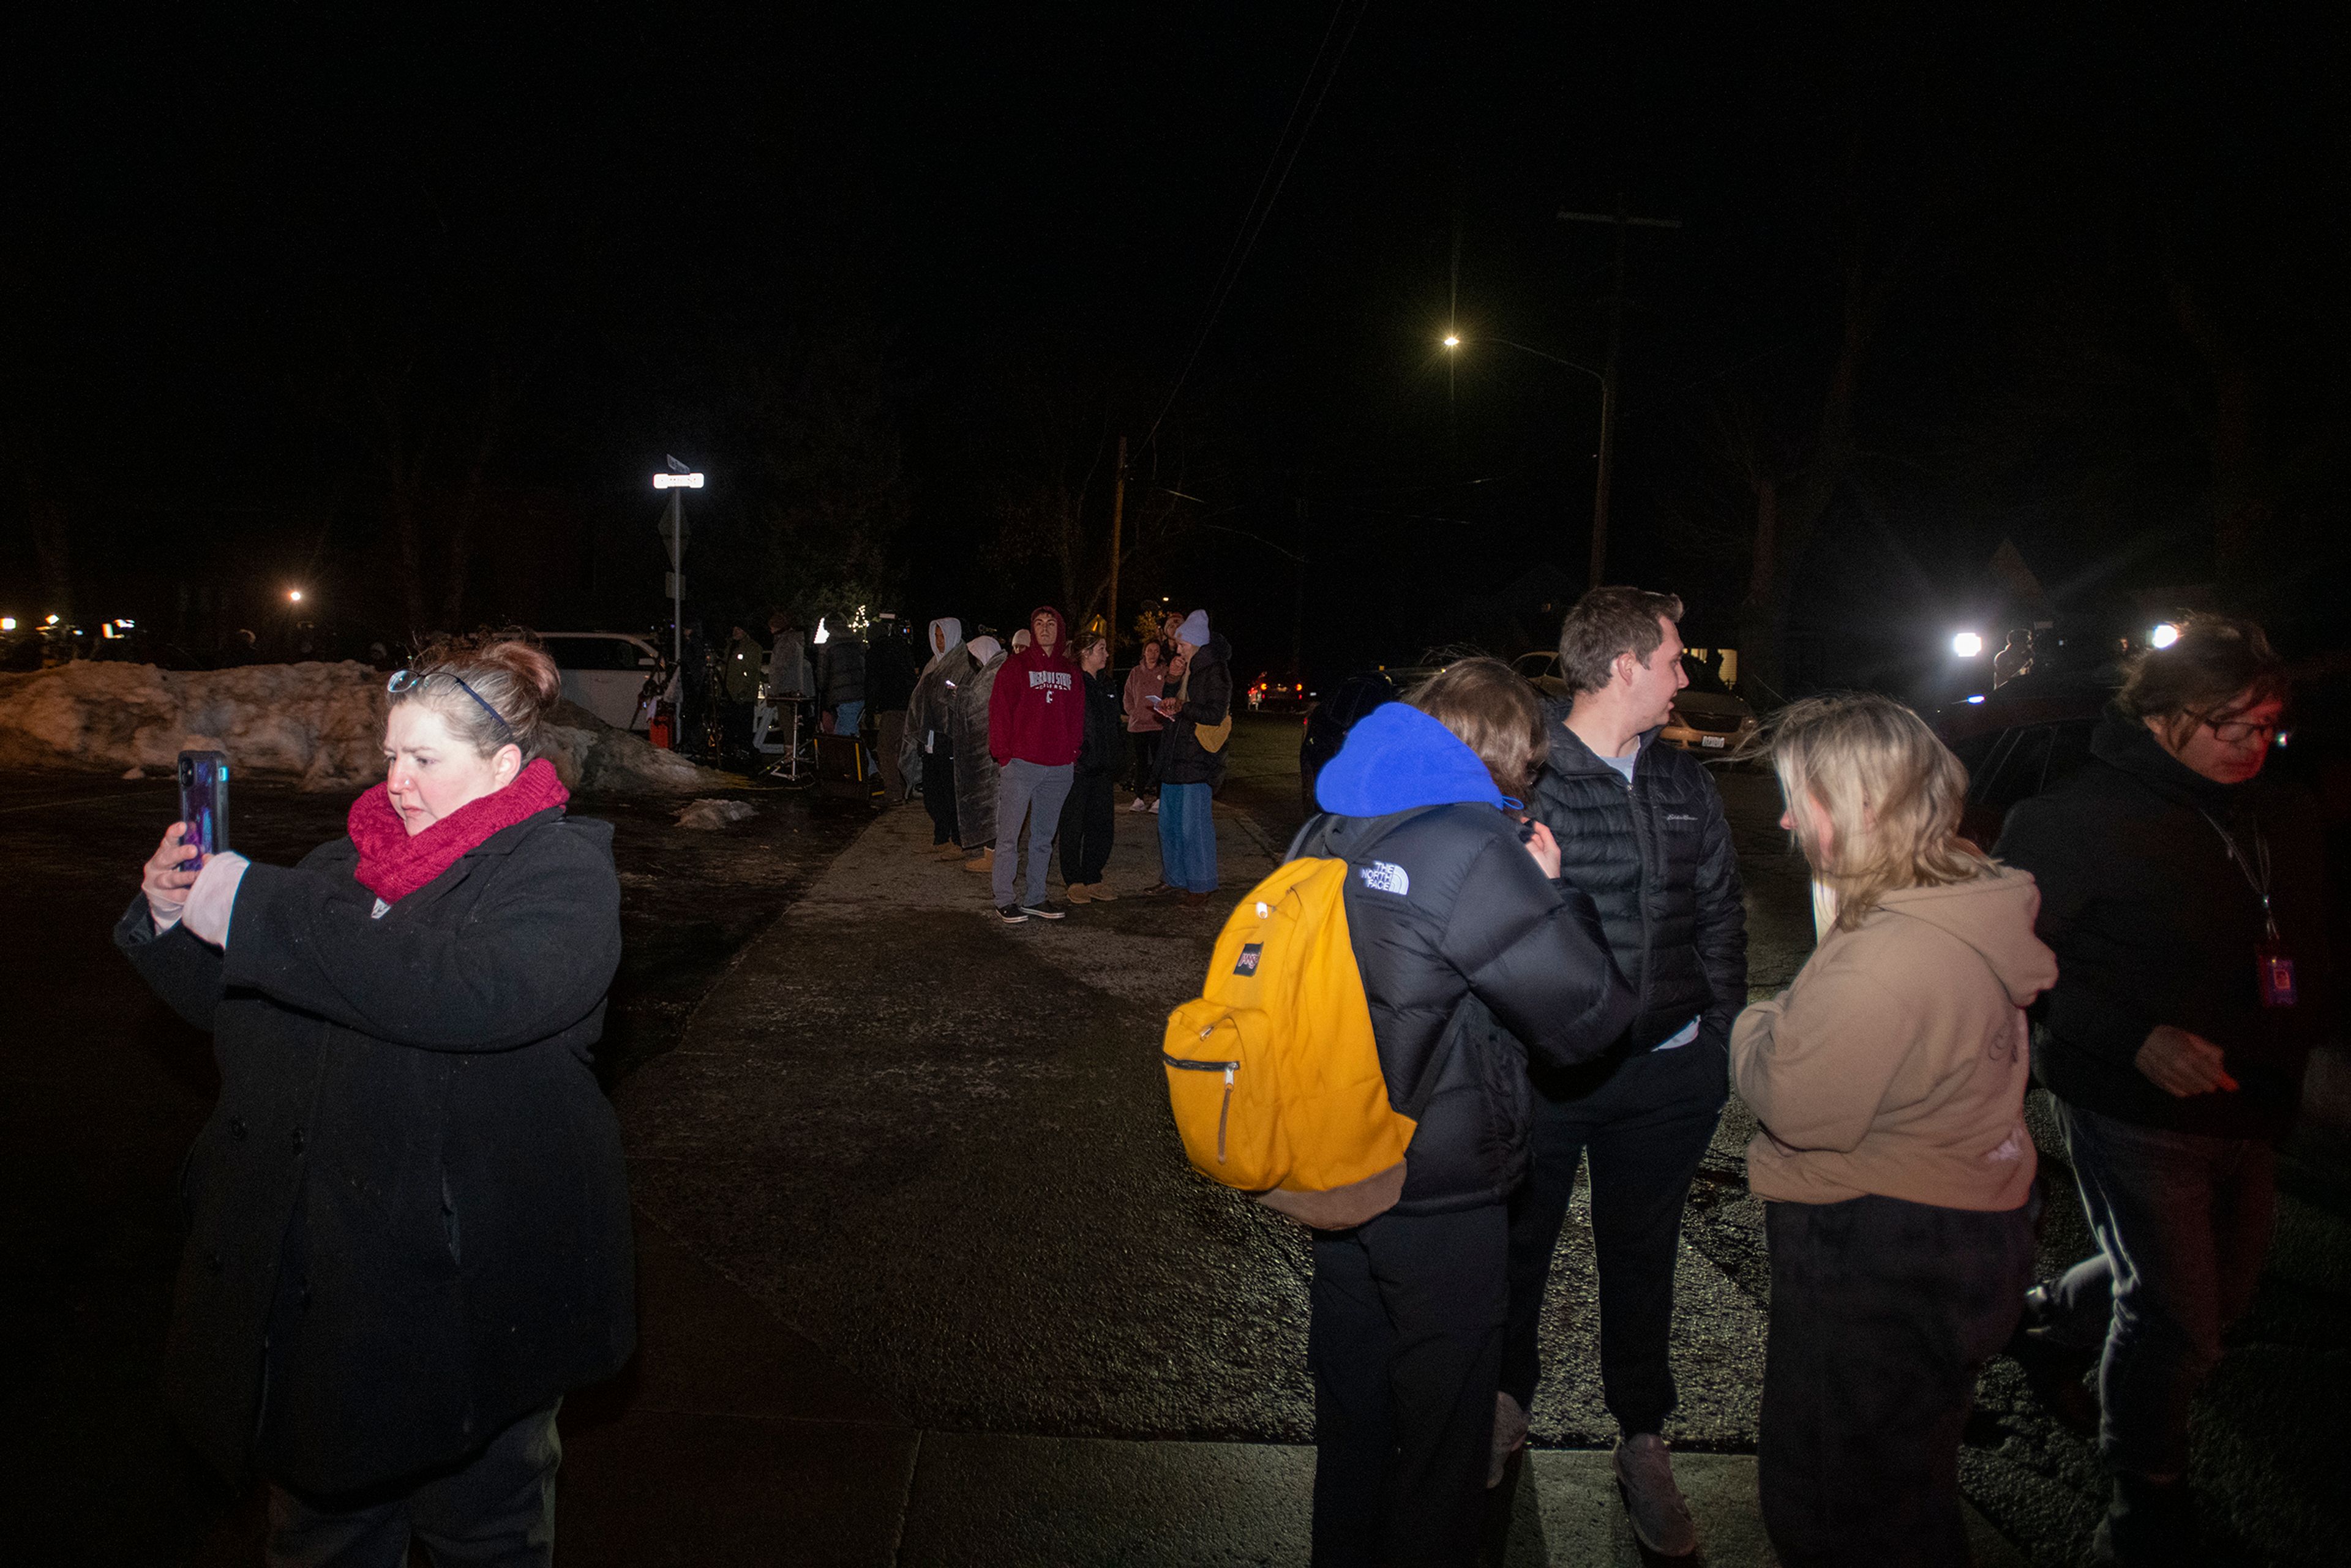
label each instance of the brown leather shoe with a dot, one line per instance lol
(1099, 891)
(1078, 893)
(947, 852)
(1194, 900)
(1158, 888)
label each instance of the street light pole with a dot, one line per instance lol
(1602, 481)
(679, 479)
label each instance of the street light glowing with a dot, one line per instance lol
(677, 481)
(294, 596)
(2163, 636)
(1967, 644)
(1452, 341)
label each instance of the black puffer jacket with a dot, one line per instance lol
(1103, 749)
(1470, 958)
(408, 1115)
(1207, 699)
(1657, 860)
(2153, 922)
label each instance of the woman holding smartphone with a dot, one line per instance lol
(1894, 1161)
(408, 1219)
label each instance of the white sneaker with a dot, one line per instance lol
(1140, 804)
(1509, 1437)
(1644, 1479)
(1155, 808)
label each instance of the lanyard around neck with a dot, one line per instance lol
(2258, 881)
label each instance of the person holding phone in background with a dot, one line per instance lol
(408, 1218)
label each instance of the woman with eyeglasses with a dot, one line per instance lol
(2181, 891)
(408, 1219)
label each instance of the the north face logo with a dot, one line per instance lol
(1381, 877)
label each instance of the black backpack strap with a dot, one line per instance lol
(1314, 837)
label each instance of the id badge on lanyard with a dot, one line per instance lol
(2273, 962)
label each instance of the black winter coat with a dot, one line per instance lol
(1103, 750)
(408, 1115)
(1657, 858)
(1470, 959)
(1208, 699)
(841, 671)
(2153, 922)
(890, 675)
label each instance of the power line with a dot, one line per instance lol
(1261, 203)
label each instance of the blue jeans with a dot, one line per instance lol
(2182, 1221)
(1187, 837)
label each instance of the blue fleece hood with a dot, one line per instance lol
(1397, 758)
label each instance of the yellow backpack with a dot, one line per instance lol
(1272, 1072)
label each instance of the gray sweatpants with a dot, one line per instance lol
(1036, 792)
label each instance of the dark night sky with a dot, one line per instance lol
(950, 255)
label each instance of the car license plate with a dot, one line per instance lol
(1713, 742)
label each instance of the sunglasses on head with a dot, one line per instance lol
(409, 680)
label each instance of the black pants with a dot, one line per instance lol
(1088, 818)
(1146, 761)
(938, 795)
(1644, 1120)
(1405, 1342)
(1883, 1313)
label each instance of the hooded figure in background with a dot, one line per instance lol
(928, 748)
(975, 769)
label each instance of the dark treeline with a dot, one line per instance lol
(411, 320)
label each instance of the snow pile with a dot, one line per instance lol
(716, 813)
(319, 724)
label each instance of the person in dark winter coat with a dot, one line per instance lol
(889, 688)
(1641, 829)
(2182, 891)
(408, 1216)
(975, 769)
(1089, 817)
(1470, 959)
(840, 680)
(927, 749)
(1190, 768)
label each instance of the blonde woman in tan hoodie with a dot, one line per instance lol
(1894, 1160)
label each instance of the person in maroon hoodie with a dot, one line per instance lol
(1036, 722)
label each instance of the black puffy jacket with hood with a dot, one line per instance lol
(1470, 957)
(1655, 856)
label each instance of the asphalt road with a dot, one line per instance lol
(939, 1148)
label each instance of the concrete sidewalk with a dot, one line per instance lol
(735, 1441)
(926, 1280)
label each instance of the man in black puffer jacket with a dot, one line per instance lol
(1465, 952)
(1641, 831)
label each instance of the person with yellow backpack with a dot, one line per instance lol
(1359, 1061)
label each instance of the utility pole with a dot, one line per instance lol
(1117, 528)
(1601, 484)
(1297, 605)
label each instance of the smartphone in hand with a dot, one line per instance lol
(204, 803)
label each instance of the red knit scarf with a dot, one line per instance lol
(392, 864)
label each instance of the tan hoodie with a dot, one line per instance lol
(1896, 1063)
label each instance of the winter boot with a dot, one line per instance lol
(983, 862)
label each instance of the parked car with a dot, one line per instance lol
(1708, 715)
(605, 672)
(2019, 740)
